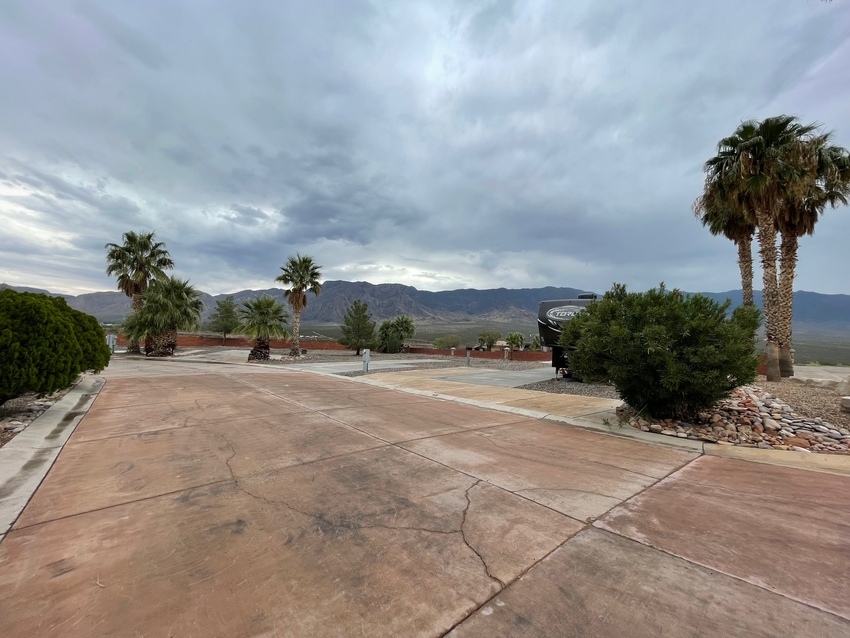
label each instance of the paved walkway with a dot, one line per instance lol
(222, 500)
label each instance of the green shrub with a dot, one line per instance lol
(449, 341)
(393, 333)
(668, 355)
(91, 337)
(39, 349)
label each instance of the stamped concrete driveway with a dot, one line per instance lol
(201, 500)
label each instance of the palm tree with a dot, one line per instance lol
(302, 275)
(137, 262)
(723, 213)
(515, 341)
(826, 183)
(262, 318)
(170, 305)
(754, 164)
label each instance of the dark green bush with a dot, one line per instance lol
(668, 355)
(44, 344)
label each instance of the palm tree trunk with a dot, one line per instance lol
(788, 264)
(745, 263)
(770, 289)
(260, 351)
(133, 344)
(295, 351)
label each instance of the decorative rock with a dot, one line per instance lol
(769, 424)
(798, 442)
(654, 427)
(669, 432)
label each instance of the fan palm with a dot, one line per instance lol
(826, 183)
(757, 164)
(723, 213)
(137, 262)
(169, 305)
(262, 318)
(301, 275)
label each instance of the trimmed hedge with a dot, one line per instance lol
(668, 355)
(45, 344)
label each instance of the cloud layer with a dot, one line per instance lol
(441, 144)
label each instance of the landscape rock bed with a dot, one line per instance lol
(17, 414)
(752, 417)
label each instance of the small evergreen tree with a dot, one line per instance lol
(488, 338)
(668, 355)
(358, 329)
(225, 318)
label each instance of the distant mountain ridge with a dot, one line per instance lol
(827, 312)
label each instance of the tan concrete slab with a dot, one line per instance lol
(124, 469)
(776, 527)
(487, 393)
(380, 543)
(600, 585)
(102, 422)
(407, 421)
(831, 463)
(578, 473)
(563, 404)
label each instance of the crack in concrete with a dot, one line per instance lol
(352, 525)
(466, 541)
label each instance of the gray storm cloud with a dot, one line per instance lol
(438, 144)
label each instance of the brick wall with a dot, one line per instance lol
(195, 341)
(526, 355)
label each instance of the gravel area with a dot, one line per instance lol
(809, 401)
(570, 386)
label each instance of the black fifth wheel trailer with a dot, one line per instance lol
(550, 316)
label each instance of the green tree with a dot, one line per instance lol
(170, 304)
(263, 318)
(40, 342)
(393, 333)
(668, 355)
(225, 317)
(825, 181)
(301, 275)
(536, 343)
(758, 165)
(358, 329)
(515, 341)
(488, 338)
(448, 342)
(136, 263)
(724, 212)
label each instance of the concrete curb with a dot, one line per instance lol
(26, 459)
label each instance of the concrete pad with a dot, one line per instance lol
(563, 404)
(831, 463)
(26, 459)
(609, 423)
(578, 473)
(124, 469)
(494, 395)
(830, 373)
(378, 543)
(392, 488)
(600, 585)
(407, 421)
(775, 527)
(102, 422)
(504, 378)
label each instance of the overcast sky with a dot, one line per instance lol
(440, 144)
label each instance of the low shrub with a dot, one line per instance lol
(44, 344)
(668, 355)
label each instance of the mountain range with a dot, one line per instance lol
(829, 313)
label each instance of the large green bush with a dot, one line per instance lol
(668, 355)
(44, 344)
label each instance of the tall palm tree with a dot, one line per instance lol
(137, 262)
(301, 275)
(170, 305)
(826, 182)
(723, 213)
(754, 164)
(262, 318)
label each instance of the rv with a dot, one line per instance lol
(550, 317)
